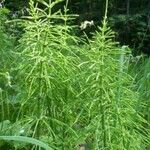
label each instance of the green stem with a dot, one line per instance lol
(50, 1)
(2, 108)
(106, 11)
(101, 82)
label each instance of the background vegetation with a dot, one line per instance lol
(65, 88)
(130, 18)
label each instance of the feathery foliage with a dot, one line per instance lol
(69, 93)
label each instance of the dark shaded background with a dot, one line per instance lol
(129, 18)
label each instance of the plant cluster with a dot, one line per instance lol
(68, 92)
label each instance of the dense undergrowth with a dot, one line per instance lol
(67, 92)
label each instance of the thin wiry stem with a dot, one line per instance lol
(106, 11)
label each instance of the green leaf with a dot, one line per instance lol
(26, 140)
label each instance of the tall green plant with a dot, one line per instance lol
(115, 122)
(114, 119)
(48, 56)
(69, 95)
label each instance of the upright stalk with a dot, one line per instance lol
(2, 108)
(106, 11)
(50, 1)
(102, 62)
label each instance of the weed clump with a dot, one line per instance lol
(70, 95)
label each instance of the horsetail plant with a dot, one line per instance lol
(71, 94)
(48, 57)
(115, 122)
